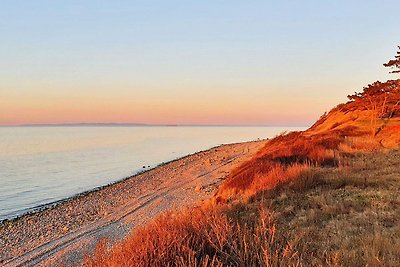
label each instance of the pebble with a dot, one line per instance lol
(197, 188)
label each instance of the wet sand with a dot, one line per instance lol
(63, 234)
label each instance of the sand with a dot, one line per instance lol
(63, 234)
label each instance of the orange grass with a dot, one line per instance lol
(283, 158)
(276, 176)
(200, 237)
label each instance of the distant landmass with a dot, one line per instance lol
(88, 124)
(112, 124)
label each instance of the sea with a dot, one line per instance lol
(42, 165)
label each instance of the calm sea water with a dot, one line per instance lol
(42, 165)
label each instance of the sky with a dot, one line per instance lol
(189, 62)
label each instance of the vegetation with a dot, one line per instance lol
(201, 237)
(327, 196)
(380, 99)
(394, 63)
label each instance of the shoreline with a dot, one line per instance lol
(54, 204)
(52, 233)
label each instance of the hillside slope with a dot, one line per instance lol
(370, 122)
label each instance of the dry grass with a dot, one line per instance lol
(283, 157)
(359, 144)
(277, 176)
(201, 237)
(348, 216)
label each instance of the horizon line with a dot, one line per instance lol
(110, 124)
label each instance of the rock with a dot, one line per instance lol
(197, 188)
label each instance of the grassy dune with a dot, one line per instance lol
(327, 196)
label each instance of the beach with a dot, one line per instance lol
(64, 233)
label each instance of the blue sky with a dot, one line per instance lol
(211, 62)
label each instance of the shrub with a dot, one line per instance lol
(200, 237)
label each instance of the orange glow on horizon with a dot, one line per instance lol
(219, 108)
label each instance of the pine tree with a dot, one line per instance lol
(394, 63)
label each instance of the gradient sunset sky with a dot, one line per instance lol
(189, 62)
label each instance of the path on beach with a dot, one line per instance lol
(65, 233)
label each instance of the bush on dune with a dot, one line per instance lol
(201, 237)
(282, 159)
